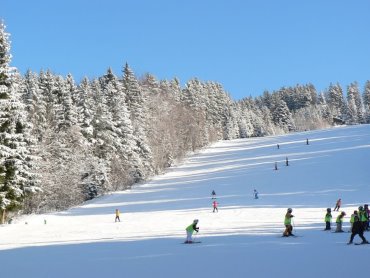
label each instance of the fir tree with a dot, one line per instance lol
(17, 178)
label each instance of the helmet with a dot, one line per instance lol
(360, 208)
(328, 209)
(196, 221)
(343, 213)
(290, 210)
(355, 212)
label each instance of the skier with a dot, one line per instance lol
(288, 223)
(117, 216)
(363, 216)
(213, 194)
(339, 222)
(358, 229)
(352, 220)
(190, 230)
(328, 218)
(338, 204)
(215, 205)
(367, 212)
(255, 193)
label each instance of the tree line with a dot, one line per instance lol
(62, 142)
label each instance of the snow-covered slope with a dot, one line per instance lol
(242, 240)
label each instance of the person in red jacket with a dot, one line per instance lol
(215, 205)
(338, 204)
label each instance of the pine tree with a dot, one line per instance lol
(17, 178)
(366, 97)
(136, 106)
(335, 101)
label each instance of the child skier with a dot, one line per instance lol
(339, 222)
(363, 216)
(190, 230)
(213, 194)
(117, 216)
(367, 212)
(328, 218)
(288, 223)
(338, 204)
(215, 205)
(358, 229)
(255, 193)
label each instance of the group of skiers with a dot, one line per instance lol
(359, 221)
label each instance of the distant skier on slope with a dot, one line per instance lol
(358, 229)
(288, 223)
(255, 194)
(338, 204)
(328, 218)
(213, 194)
(339, 222)
(190, 230)
(215, 205)
(117, 216)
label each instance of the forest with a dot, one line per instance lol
(63, 142)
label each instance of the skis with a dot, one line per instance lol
(191, 242)
(362, 243)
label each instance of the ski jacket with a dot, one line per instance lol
(117, 212)
(357, 225)
(362, 215)
(339, 218)
(191, 228)
(215, 204)
(328, 217)
(288, 218)
(352, 220)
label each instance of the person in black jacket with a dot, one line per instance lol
(358, 229)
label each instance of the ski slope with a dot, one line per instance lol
(242, 240)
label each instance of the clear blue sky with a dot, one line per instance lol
(247, 46)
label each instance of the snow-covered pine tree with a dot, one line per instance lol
(17, 177)
(355, 106)
(125, 162)
(335, 101)
(138, 111)
(366, 97)
(85, 108)
(281, 115)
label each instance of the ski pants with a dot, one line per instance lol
(117, 219)
(327, 225)
(288, 230)
(215, 209)
(339, 227)
(360, 234)
(189, 235)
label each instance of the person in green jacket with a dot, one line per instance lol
(288, 223)
(190, 230)
(363, 216)
(339, 222)
(352, 219)
(328, 218)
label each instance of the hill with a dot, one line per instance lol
(242, 240)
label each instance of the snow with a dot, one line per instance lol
(242, 240)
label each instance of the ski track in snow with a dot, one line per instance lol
(243, 239)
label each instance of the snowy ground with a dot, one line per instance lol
(242, 240)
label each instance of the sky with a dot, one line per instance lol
(247, 46)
